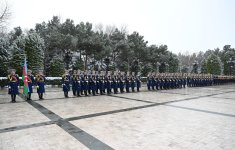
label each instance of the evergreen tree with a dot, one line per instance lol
(34, 50)
(56, 67)
(213, 65)
(17, 58)
(4, 55)
(173, 63)
(204, 66)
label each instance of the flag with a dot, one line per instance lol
(25, 78)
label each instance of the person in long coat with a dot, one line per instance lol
(40, 79)
(13, 79)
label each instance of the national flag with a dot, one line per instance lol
(25, 78)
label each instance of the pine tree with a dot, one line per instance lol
(34, 50)
(4, 55)
(213, 64)
(204, 66)
(56, 67)
(17, 58)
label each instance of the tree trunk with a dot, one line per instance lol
(86, 62)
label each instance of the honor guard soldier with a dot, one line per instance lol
(138, 82)
(188, 80)
(66, 83)
(40, 79)
(92, 83)
(127, 82)
(101, 83)
(13, 85)
(153, 83)
(184, 81)
(74, 82)
(121, 82)
(160, 82)
(149, 81)
(82, 82)
(30, 79)
(97, 82)
(89, 76)
(157, 81)
(78, 83)
(132, 81)
(85, 85)
(115, 83)
(108, 82)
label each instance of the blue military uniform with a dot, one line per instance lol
(66, 84)
(132, 80)
(108, 85)
(40, 79)
(30, 85)
(74, 83)
(92, 85)
(13, 86)
(138, 83)
(78, 85)
(127, 84)
(149, 82)
(121, 84)
(101, 85)
(115, 85)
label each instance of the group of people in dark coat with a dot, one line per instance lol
(160, 81)
(99, 83)
(13, 79)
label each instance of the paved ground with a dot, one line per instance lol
(191, 118)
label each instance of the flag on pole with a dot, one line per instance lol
(25, 78)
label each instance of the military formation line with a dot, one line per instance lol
(84, 83)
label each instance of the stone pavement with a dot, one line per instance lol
(190, 118)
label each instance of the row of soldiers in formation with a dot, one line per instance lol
(83, 83)
(93, 83)
(161, 81)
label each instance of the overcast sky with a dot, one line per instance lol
(183, 25)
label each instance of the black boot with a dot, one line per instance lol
(74, 93)
(93, 92)
(42, 96)
(29, 96)
(133, 90)
(67, 94)
(78, 94)
(12, 98)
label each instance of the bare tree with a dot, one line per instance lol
(124, 28)
(99, 28)
(4, 15)
(110, 29)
